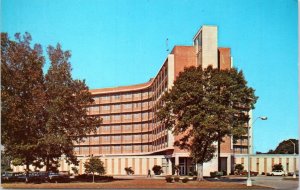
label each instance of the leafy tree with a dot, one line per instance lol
(94, 165)
(205, 106)
(22, 98)
(286, 147)
(67, 117)
(42, 116)
(277, 167)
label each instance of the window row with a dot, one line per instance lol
(126, 96)
(126, 117)
(112, 149)
(116, 138)
(118, 107)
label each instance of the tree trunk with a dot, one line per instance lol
(219, 158)
(200, 171)
(93, 177)
(47, 164)
(27, 173)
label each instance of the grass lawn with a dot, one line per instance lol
(132, 183)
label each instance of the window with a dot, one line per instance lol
(117, 128)
(96, 100)
(95, 139)
(136, 115)
(95, 109)
(105, 97)
(106, 128)
(117, 148)
(116, 117)
(127, 128)
(106, 148)
(85, 149)
(136, 137)
(137, 95)
(127, 106)
(136, 105)
(127, 137)
(127, 116)
(145, 137)
(127, 148)
(137, 147)
(117, 107)
(117, 138)
(105, 108)
(106, 138)
(128, 95)
(106, 118)
(117, 96)
(145, 115)
(137, 127)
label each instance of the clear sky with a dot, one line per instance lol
(123, 42)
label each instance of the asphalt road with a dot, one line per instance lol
(276, 182)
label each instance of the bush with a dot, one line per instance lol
(88, 178)
(169, 179)
(129, 171)
(157, 169)
(176, 178)
(263, 173)
(194, 178)
(185, 180)
(277, 167)
(238, 168)
(216, 174)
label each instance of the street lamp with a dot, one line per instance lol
(294, 175)
(249, 182)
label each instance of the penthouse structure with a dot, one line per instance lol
(131, 136)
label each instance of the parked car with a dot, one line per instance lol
(11, 176)
(292, 173)
(277, 173)
(58, 177)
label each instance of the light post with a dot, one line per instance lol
(249, 182)
(294, 175)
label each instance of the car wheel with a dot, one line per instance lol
(272, 174)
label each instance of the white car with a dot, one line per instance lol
(277, 173)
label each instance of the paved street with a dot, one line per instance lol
(276, 182)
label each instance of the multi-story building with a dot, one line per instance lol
(131, 136)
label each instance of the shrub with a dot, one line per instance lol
(169, 179)
(194, 178)
(277, 167)
(185, 180)
(238, 168)
(157, 169)
(216, 174)
(263, 173)
(129, 171)
(176, 178)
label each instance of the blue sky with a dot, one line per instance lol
(123, 42)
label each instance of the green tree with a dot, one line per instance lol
(22, 98)
(205, 106)
(67, 118)
(94, 165)
(286, 147)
